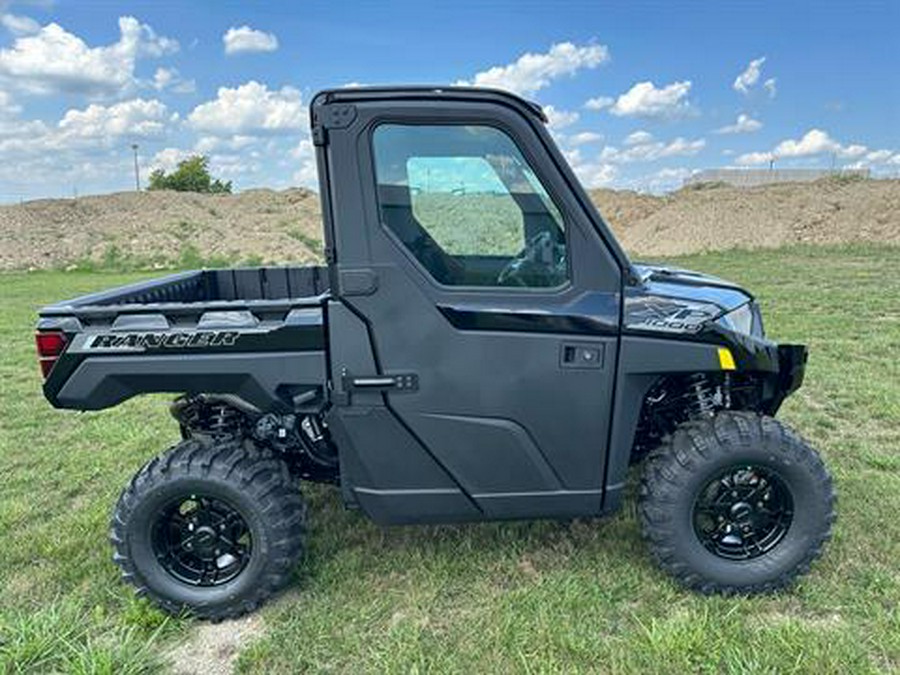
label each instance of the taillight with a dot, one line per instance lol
(50, 344)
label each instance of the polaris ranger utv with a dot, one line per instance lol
(478, 347)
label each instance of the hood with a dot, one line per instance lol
(673, 300)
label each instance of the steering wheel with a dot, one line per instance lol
(541, 263)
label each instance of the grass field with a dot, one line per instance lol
(515, 597)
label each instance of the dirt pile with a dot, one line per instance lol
(716, 218)
(161, 227)
(265, 225)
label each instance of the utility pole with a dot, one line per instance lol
(137, 172)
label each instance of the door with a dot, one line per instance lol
(492, 304)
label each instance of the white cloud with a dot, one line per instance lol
(770, 87)
(167, 159)
(559, 119)
(164, 77)
(852, 151)
(208, 144)
(307, 173)
(11, 126)
(170, 78)
(599, 102)
(236, 165)
(813, 142)
(879, 156)
(20, 25)
(682, 147)
(645, 100)
(88, 132)
(7, 107)
(747, 79)
(88, 149)
(664, 180)
(533, 72)
(644, 149)
(247, 40)
(591, 173)
(251, 109)
(744, 125)
(752, 158)
(638, 138)
(55, 61)
(136, 119)
(584, 137)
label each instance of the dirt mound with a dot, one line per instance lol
(824, 212)
(622, 208)
(161, 227)
(268, 226)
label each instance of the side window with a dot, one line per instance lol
(465, 203)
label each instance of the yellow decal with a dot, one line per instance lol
(726, 360)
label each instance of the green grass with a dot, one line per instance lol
(508, 597)
(471, 224)
(314, 244)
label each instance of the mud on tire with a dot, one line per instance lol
(736, 503)
(213, 527)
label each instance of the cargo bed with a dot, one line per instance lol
(212, 288)
(255, 333)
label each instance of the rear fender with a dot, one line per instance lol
(268, 381)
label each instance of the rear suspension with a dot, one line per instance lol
(300, 439)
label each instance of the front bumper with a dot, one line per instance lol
(787, 379)
(779, 368)
(791, 367)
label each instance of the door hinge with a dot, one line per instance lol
(319, 135)
(331, 116)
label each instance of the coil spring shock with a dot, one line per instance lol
(195, 414)
(674, 400)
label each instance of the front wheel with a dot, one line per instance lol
(736, 503)
(213, 527)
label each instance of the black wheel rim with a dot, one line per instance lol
(743, 512)
(201, 540)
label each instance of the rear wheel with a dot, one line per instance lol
(736, 503)
(212, 526)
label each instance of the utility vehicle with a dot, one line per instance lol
(478, 347)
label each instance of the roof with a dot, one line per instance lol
(430, 92)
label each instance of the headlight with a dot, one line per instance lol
(746, 320)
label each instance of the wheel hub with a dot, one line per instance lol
(205, 541)
(743, 512)
(201, 541)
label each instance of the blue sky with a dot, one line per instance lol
(640, 93)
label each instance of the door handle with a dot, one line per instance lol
(400, 382)
(582, 355)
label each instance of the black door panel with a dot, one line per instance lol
(519, 430)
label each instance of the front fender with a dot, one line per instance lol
(644, 360)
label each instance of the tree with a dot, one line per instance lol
(191, 175)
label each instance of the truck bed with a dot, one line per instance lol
(212, 287)
(256, 333)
